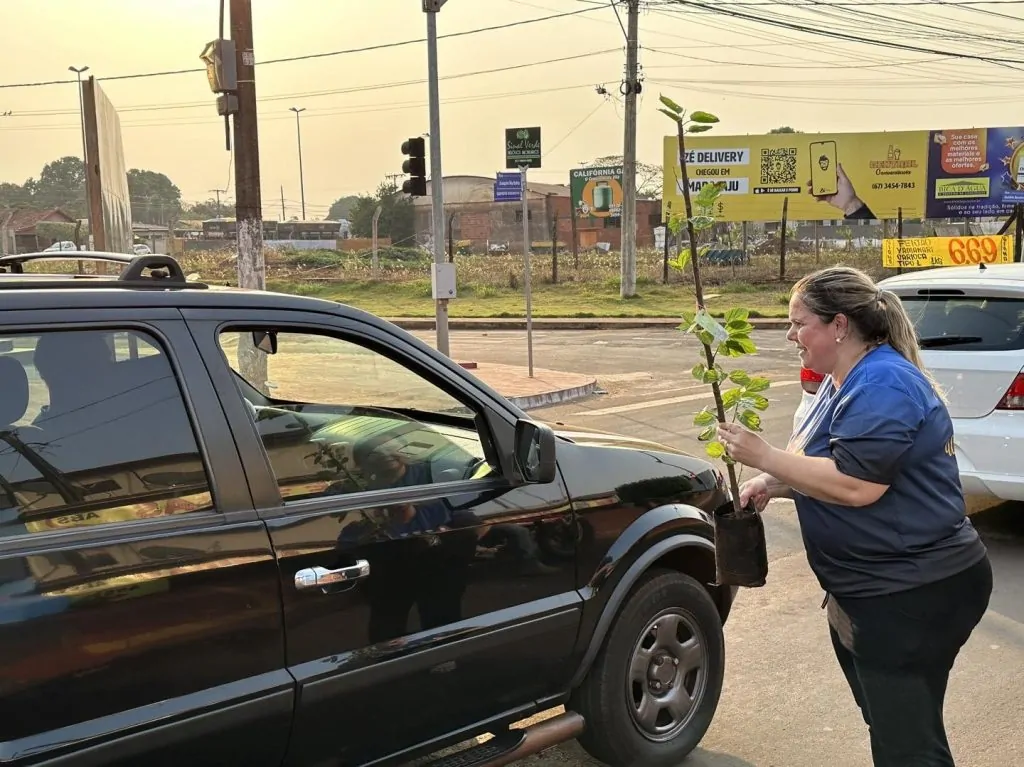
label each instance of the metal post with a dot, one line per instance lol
(899, 238)
(298, 135)
(375, 263)
(526, 275)
(436, 177)
(81, 115)
(627, 287)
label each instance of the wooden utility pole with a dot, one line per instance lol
(248, 205)
(631, 86)
(251, 267)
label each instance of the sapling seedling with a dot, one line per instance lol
(744, 401)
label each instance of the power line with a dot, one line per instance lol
(333, 92)
(722, 10)
(354, 109)
(325, 54)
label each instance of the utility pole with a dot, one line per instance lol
(282, 203)
(217, 192)
(251, 267)
(431, 8)
(248, 205)
(630, 87)
(298, 134)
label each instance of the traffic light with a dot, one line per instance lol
(415, 166)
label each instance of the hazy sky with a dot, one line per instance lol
(754, 76)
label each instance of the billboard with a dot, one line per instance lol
(106, 176)
(596, 192)
(854, 176)
(975, 172)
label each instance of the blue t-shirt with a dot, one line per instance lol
(886, 425)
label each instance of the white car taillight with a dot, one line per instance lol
(1014, 397)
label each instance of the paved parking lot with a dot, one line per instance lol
(785, 703)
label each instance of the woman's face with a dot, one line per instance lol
(814, 339)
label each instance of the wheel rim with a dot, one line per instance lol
(667, 675)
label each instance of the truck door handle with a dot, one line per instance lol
(313, 577)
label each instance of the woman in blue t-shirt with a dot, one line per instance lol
(872, 470)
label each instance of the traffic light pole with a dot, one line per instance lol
(436, 176)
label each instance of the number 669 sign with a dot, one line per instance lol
(923, 252)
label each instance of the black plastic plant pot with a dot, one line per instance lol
(741, 552)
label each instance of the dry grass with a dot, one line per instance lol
(492, 285)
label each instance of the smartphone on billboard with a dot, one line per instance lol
(824, 168)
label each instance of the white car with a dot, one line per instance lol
(970, 322)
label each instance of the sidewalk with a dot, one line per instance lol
(547, 387)
(567, 323)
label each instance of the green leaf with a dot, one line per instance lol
(753, 401)
(709, 194)
(705, 337)
(731, 396)
(686, 318)
(740, 344)
(676, 109)
(696, 128)
(740, 377)
(715, 449)
(703, 117)
(740, 329)
(711, 376)
(750, 419)
(672, 116)
(738, 314)
(698, 371)
(708, 433)
(758, 384)
(728, 460)
(702, 223)
(682, 260)
(704, 418)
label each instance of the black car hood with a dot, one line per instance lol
(582, 436)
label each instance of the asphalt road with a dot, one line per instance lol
(785, 702)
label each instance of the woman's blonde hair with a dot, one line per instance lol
(877, 316)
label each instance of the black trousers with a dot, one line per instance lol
(897, 651)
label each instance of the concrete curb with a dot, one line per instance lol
(569, 323)
(558, 397)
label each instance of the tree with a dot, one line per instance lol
(61, 184)
(155, 199)
(649, 178)
(784, 129)
(14, 196)
(205, 210)
(397, 219)
(342, 208)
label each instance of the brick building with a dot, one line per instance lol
(478, 222)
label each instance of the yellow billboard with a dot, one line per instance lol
(825, 176)
(921, 252)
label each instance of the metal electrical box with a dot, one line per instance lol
(442, 281)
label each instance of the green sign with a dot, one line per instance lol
(596, 192)
(522, 147)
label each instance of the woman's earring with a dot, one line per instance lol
(838, 340)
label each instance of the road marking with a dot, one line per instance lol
(667, 401)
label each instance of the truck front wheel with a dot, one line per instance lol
(654, 687)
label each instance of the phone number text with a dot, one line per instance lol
(895, 185)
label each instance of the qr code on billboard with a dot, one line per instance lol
(778, 166)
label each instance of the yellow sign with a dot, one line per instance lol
(825, 176)
(922, 252)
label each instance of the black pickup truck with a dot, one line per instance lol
(244, 528)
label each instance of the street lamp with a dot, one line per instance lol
(81, 113)
(298, 134)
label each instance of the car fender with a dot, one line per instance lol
(650, 537)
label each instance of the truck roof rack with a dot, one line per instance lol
(149, 272)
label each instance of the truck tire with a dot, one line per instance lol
(653, 689)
